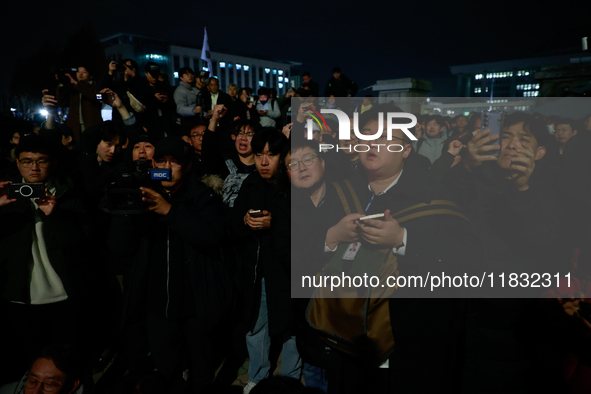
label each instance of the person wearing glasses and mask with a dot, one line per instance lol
(41, 255)
(178, 283)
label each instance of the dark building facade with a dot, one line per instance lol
(514, 78)
(244, 71)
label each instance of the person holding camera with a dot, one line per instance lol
(176, 287)
(159, 106)
(124, 79)
(192, 100)
(79, 95)
(244, 108)
(42, 243)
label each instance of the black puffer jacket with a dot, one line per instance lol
(186, 240)
(258, 259)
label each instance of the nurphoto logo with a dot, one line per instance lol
(345, 129)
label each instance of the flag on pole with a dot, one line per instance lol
(205, 55)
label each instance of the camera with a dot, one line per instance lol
(61, 74)
(249, 99)
(104, 98)
(21, 191)
(124, 196)
(121, 67)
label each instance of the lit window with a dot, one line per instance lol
(261, 83)
(238, 66)
(286, 80)
(204, 68)
(274, 72)
(527, 73)
(267, 70)
(280, 85)
(176, 74)
(230, 65)
(154, 56)
(280, 79)
(280, 72)
(246, 67)
(222, 64)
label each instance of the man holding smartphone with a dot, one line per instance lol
(387, 184)
(266, 283)
(80, 97)
(508, 196)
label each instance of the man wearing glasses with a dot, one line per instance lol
(177, 285)
(306, 169)
(206, 142)
(39, 241)
(56, 370)
(388, 183)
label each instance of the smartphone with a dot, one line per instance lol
(375, 216)
(102, 97)
(256, 213)
(492, 120)
(21, 191)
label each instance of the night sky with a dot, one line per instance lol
(368, 40)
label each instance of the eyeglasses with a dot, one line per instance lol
(161, 163)
(197, 136)
(248, 135)
(307, 161)
(42, 163)
(47, 387)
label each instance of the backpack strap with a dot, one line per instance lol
(342, 197)
(231, 166)
(354, 196)
(435, 207)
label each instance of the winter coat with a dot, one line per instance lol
(80, 98)
(186, 99)
(259, 259)
(434, 244)
(187, 239)
(64, 234)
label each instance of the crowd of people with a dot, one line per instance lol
(155, 252)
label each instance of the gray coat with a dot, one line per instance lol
(185, 97)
